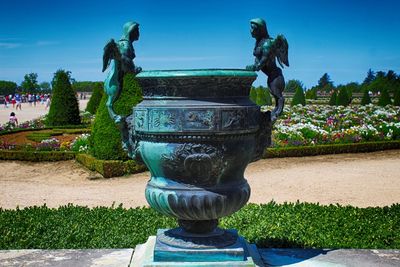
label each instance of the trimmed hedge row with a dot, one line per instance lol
(302, 151)
(300, 225)
(67, 129)
(110, 168)
(36, 155)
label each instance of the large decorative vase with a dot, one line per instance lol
(196, 131)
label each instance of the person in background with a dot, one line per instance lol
(18, 101)
(13, 101)
(6, 101)
(13, 120)
(48, 102)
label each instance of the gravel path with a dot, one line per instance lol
(368, 179)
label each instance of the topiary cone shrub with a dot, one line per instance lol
(384, 98)
(342, 98)
(64, 108)
(95, 99)
(299, 97)
(263, 97)
(366, 99)
(105, 140)
(332, 100)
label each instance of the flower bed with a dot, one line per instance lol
(321, 124)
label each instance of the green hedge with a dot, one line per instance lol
(110, 168)
(36, 155)
(268, 225)
(301, 151)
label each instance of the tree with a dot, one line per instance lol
(84, 86)
(325, 84)
(299, 97)
(384, 98)
(311, 93)
(342, 97)
(45, 87)
(30, 83)
(64, 108)
(370, 77)
(105, 140)
(95, 99)
(292, 85)
(7, 87)
(332, 99)
(366, 99)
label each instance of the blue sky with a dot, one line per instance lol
(343, 37)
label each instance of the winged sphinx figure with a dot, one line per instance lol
(267, 51)
(119, 57)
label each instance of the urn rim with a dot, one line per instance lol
(182, 73)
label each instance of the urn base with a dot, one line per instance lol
(153, 254)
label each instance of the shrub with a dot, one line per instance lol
(396, 99)
(299, 97)
(311, 94)
(342, 98)
(110, 168)
(95, 99)
(263, 97)
(64, 108)
(366, 99)
(332, 99)
(105, 140)
(301, 225)
(384, 98)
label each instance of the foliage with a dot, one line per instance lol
(95, 99)
(311, 93)
(385, 81)
(45, 87)
(366, 99)
(292, 85)
(302, 225)
(370, 77)
(299, 97)
(85, 86)
(81, 143)
(332, 99)
(64, 108)
(105, 140)
(324, 83)
(7, 87)
(384, 98)
(30, 83)
(263, 96)
(343, 98)
(314, 150)
(396, 98)
(40, 136)
(110, 168)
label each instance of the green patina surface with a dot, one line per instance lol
(196, 73)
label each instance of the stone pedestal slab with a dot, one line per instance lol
(144, 256)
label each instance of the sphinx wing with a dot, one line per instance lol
(282, 48)
(111, 51)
